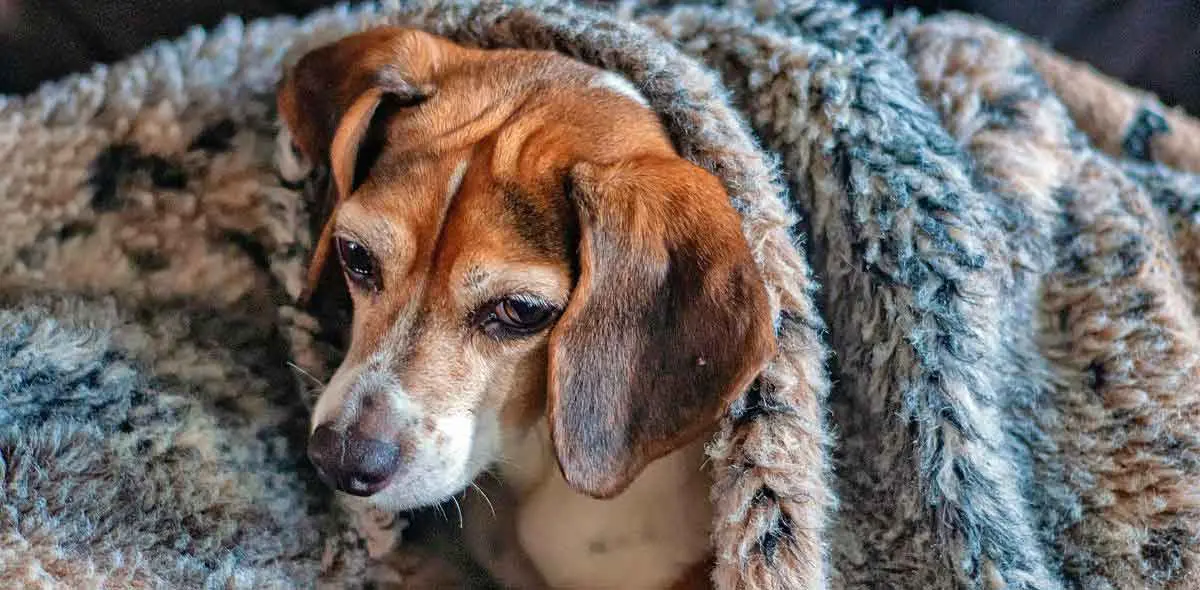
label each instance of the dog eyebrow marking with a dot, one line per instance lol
(619, 84)
(456, 179)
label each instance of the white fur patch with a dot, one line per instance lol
(617, 83)
(456, 178)
(333, 399)
(647, 537)
(441, 464)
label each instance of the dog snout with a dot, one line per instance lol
(353, 463)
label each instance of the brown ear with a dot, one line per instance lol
(334, 102)
(346, 169)
(668, 323)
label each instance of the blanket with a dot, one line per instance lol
(983, 260)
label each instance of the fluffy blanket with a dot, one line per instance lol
(984, 261)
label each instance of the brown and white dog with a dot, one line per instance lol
(542, 287)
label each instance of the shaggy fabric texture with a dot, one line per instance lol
(984, 262)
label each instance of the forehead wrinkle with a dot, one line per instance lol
(460, 123)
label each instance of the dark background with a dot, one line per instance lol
(1153, 44)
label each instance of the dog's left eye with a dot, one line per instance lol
(519, 315)
(357, 260)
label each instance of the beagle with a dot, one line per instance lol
(542, 290)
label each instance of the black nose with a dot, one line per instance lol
(358, 466)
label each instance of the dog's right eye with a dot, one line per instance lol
(358, 262)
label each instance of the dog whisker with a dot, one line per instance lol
(485, 498)
(316, 381)
(458, 507)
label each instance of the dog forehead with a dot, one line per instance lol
(452, 212)
(502, 227)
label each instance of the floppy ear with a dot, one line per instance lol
(351, 153)
(334, 102)
(669, 321)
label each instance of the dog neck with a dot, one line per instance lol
(647, 537)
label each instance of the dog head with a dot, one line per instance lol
(521, 243)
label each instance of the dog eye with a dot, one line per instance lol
(519, 315)
(357, 260)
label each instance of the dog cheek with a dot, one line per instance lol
(520, 393)
(446, 454)
(466, 444)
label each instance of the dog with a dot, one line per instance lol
(542, 289)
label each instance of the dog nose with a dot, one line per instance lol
(355, 465)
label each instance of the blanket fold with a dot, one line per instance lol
(983, 259)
